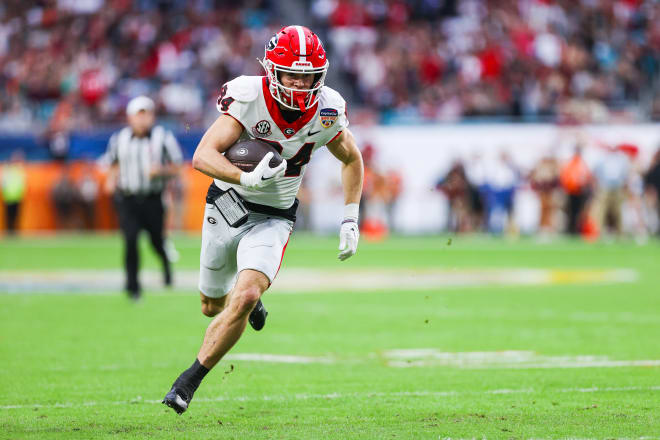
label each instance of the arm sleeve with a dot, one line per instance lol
(342, 120)
(236, 97)
(172, 149)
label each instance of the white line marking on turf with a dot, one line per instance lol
(300, 280)
(280, 358)
(361, 395)
(509, 359)
(429, 357)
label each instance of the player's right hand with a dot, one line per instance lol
(349, 235)
(262, 173)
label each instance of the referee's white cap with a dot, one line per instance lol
(140, 103)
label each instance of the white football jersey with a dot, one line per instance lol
(248, 100)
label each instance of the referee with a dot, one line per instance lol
(142, 156)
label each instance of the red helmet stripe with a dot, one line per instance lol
(302, 43)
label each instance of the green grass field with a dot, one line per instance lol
(567, 353)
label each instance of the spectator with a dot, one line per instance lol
(572, 62)
(456, 188)
(394, 187)
(66, 198)
(652, 184)
(502, 177)
(368, 185)
(544, 179)
(88, 188)
(14, 182)
(635, 212)
(611, 175)
(576, 180)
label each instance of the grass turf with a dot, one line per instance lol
(95, 366)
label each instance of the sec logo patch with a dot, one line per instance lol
(261, 129)
(328, 116)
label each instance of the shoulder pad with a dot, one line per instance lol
(243, 88)
(332, 99)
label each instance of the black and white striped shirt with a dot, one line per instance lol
(137, 155)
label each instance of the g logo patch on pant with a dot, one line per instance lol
(211, 220)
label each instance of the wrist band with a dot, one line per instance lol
(351, 212)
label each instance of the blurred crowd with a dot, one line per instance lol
(608, 194)
(568, 61)
(73, 64)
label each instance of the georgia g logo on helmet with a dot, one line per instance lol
(295, 49)
(272, 43)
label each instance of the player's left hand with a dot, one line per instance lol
(349, 234)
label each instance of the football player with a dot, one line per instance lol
(244, 242)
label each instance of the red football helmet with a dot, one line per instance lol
(295, 49)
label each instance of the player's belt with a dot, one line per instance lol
(289, 213)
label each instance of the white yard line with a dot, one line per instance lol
(360, 395)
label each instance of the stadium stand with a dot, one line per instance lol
(561, 61)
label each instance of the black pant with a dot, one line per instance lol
(576, 204)
(137, 213)
(11, 212)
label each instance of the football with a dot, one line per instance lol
(246, 154)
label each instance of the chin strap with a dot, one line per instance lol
(300, 99)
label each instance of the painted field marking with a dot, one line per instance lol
(362, 395)
(279, 358)
(507, 359)
(300, 280)
(431, 357)
(427, 357)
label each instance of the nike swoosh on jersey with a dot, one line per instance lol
(312, 134)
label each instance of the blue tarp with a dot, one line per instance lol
(88, 146)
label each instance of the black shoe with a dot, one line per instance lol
(258, 315)
(178, 398)
(135, 295)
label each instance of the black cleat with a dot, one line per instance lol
(134, 294)
(167, 278)
(258, 315)
(178, 399)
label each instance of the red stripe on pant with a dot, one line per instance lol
(282, 257)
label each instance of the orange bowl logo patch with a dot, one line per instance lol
(328, 116)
